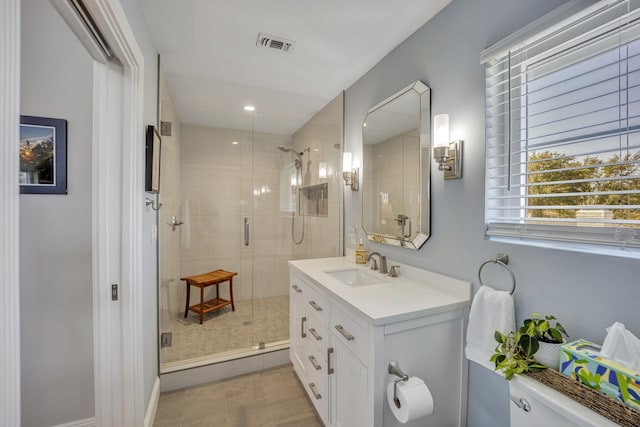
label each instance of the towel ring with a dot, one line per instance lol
(502, 260)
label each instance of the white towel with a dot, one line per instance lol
(491, 311)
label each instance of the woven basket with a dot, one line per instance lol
(604, 405)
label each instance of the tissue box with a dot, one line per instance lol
(580, 361)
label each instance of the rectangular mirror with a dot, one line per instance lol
(396, 168)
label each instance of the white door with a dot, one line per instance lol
(9, 225)
(117, 208)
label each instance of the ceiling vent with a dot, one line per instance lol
(274, 42)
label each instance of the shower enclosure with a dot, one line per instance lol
(239, 197)
(235, 216)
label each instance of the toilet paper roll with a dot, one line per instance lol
(414, 399)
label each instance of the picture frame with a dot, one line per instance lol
(152, 160)
(43, 155)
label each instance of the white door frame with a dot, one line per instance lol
(119, 387)
(118, 136)
(9, 210)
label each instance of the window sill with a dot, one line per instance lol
(616, 251)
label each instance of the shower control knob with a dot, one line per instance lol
(174, 223)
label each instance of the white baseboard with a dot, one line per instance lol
(214, 372)
(87, 422)
(148, 419)
(153, 404)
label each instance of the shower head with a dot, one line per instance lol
(288, 149)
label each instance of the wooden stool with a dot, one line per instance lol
(209, 279)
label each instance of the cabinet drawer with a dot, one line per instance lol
(315, 361)
(351, 333)
(316, 333)
(317, 388)
(312, 300)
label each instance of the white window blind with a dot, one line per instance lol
(563, 131)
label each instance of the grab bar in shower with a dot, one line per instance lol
(246, 231)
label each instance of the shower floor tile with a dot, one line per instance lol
(266, 320)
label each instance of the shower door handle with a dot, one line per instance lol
(246, 231)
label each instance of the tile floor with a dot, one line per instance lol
(271, 398)
(262, 320)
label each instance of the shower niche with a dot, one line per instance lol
(315, 200)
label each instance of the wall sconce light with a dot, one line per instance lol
(349, 174)
(447, 153)
(322, 170)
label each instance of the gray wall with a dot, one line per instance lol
(587, 292)
(56, 318)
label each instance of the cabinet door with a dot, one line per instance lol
(349, 391)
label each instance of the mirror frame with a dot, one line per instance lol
(424, 212)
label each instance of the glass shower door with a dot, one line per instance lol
(234, 199)
(270, 240)
(214, 204)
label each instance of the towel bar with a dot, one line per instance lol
(502, 260)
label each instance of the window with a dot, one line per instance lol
(563, 131)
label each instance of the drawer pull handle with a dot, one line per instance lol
(315, 306)
(297, 289)
(344, 333)
(312, 359)
(329, 368)
(315, 334)
(314, 390)
(302, 324)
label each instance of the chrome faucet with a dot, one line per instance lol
(383, 262)
(393, 271)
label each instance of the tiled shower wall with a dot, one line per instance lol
(222, 184)
(323, 134)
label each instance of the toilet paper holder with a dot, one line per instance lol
(394, 369)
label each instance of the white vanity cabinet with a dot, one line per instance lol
(325, 360)
(343, 339)
(309, 342)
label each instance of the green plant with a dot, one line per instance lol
(514, 352)
(542, 330)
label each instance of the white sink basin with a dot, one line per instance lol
(355, 277)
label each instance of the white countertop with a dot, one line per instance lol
(415, 293)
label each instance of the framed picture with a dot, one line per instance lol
(152, 160)
(43, 155)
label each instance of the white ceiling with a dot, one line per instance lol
(214, 68)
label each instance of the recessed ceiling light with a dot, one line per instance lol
(249, 108)
(234, 142)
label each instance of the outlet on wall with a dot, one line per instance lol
(352, 235)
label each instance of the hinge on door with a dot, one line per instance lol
(165, 339)
(114, 292)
